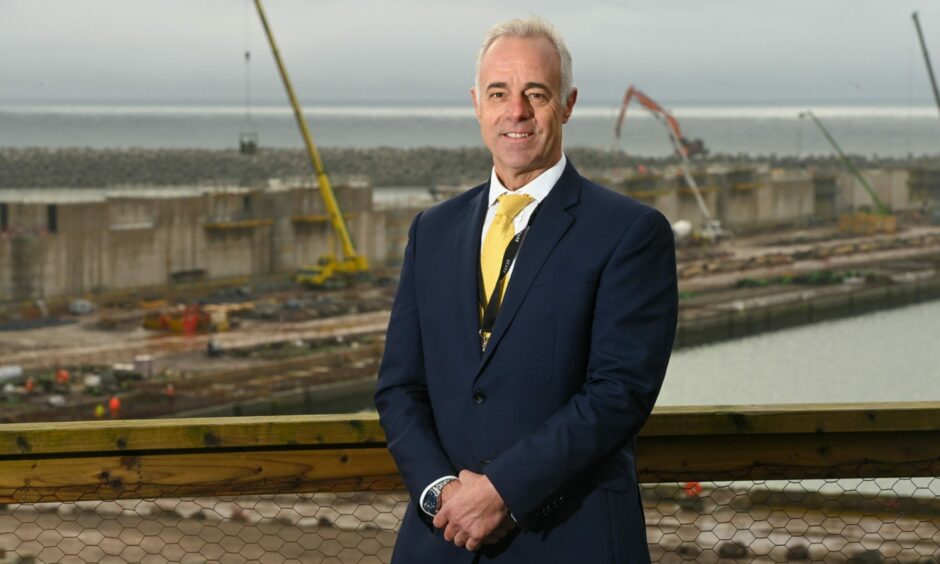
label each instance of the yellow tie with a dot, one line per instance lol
(501, 231)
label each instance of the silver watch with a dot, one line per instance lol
(432, 499)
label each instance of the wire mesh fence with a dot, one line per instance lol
(343, 528)
(859, 521)
(862, 521)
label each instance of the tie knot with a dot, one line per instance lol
(511, 204)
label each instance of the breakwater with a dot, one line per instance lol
(384, 166)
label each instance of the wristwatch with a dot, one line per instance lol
(432, 498)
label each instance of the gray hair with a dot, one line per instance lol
(530, 28)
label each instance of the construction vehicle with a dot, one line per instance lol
(711, 229)
(881, 220)
(329, 267)
(180, 320)
(684, 146)
(188, 319)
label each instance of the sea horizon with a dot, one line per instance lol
(751, 127)
(703, 109)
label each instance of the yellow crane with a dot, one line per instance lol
(325, 271)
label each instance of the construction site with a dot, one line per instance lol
(194, 300)
(221, 297)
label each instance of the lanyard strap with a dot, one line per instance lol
(491, 306)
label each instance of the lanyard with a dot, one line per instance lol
(491, 306)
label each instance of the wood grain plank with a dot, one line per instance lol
(789, 456)
(326, 430)
(200, 475)
(188, 434)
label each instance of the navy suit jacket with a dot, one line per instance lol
(550, 411)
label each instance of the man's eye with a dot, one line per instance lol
(496, 95)
(537, 96)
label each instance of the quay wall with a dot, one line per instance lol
(752, 199)
(737, 323)
(63, 242)
(891, 186)
(87, 241)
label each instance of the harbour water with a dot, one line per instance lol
(885, 356)
(890, 130)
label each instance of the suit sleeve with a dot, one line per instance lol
(633, 329)
(401, 395)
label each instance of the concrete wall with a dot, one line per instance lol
(118, 242)
(397, 222)
(753, 198)
(182, 234)
(110, 243)
(826, 190)
(786, 200)
(891, 186)
(741, 199)
(925, 190)
(21, 250)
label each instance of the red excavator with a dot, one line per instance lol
(683, 146)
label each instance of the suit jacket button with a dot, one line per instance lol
(479, 397)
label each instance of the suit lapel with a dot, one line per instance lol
(469, 229)
(551, 223)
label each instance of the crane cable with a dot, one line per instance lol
(249, 9)
(909, 121)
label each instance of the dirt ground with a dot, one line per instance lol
(295, 337)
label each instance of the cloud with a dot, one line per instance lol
(369, 50)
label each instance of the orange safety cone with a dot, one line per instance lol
(62, 376)
(30, 385)
(114, 406)
(692, 489)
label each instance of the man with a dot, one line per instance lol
(529, 338)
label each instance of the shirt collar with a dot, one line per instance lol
(538, 188)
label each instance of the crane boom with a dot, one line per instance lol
(649, 104)
(923, 47)
(684, 147)
(879, 205)
(353, 261)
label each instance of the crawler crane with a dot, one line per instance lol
(327, 270)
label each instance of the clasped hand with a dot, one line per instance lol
(472, 512)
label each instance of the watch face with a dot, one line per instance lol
(430, 502)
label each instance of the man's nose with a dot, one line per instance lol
(520, 108)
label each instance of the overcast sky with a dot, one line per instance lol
(374, 51)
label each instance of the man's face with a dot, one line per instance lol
(520, 109)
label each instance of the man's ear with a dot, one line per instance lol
(476, 101)
(569, 105)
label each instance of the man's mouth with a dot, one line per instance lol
(514, 135)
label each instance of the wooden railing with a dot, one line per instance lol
(257, 455)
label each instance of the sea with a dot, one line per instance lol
(889, 355)
(893, 130)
